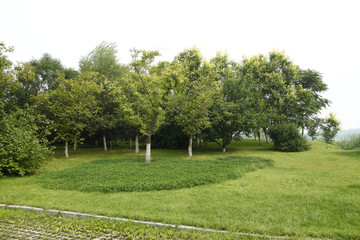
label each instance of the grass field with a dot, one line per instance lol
(306, 194)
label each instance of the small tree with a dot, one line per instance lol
(330, 127)
(313, 126)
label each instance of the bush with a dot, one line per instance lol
(22, 146)
(286, 138)
(351, 143)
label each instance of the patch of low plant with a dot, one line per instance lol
(134, 174)
(78, 228)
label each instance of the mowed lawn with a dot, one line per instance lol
(306, 194)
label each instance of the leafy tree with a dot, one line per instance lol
(226, 114)
(309, 88)
(23, 144)
(103, 60)
(47, 70)
(313, 126)
(330, 127)
(193, 97)
(145, 94)
(70, 106)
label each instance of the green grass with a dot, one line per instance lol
(306, 194)
(134, 174)
(77, 228)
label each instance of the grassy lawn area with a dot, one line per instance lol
(250, 188)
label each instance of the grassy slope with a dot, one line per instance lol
(314, 193)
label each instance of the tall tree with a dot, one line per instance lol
(193, 97)
(70, 106)
(226, 114)
(47, 70)
(103, 60)
(146, 94)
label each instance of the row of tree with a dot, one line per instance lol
(217, 99)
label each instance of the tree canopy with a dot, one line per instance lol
(216, 100)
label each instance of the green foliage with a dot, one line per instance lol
(330, 126)
(194, 96)
(23, 147)
(161, 174)
(351, 143)
(287, 138)
(103, 60)
(47, 70)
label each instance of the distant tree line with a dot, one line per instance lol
(170, 104)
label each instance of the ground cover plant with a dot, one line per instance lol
(304, 194)
(133, 174)
(55, 227)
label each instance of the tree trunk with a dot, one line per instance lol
(148, 148)
(258, 133)
(96, 143)
(190, 145)
(196, 141)
(104, 140)
(224, 146)
(266, 136)
(110, 140)
(302, 130)
(130, 142)
(137, 143)
(75, 144)
(66, 149)
(200, 140)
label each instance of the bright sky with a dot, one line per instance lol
(318, 34)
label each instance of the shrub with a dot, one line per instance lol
(22, 146)
(286, 138)
(351, 143)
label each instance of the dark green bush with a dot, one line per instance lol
(286, 138)
(23, 146)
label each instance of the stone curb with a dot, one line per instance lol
(152, 224)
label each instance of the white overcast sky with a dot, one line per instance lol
(315, 34)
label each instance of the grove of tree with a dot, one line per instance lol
(177, 102)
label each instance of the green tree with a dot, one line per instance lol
(193, 98)
(70, 106)
(226, 116)
(309, 87)
(103, 60)
(47, 70)
(330, 127)
(313, 127)
(23, 144)
(145, 94)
